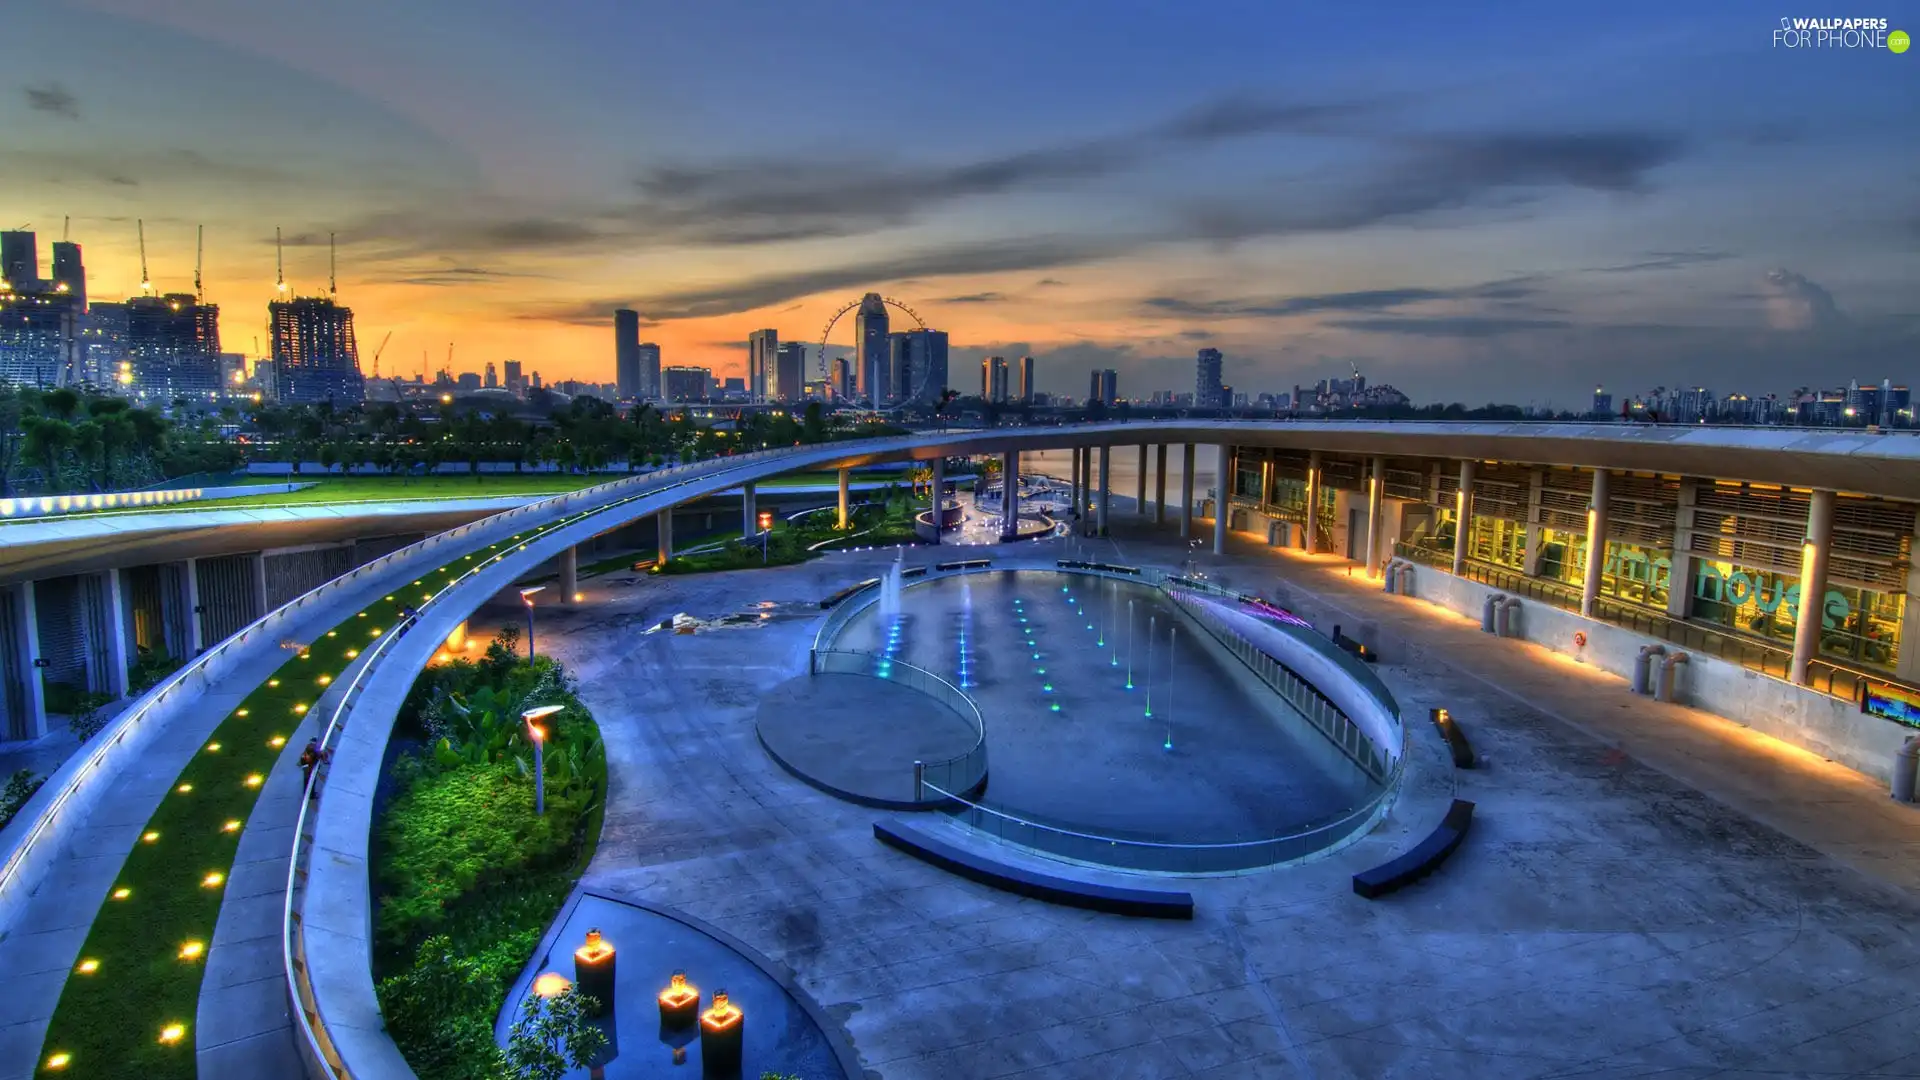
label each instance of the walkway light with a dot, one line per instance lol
(593, 967)
(551, 985)
(539, 736)
(526, 597)
(720, 1033)
(679, 1002)
(173, 1033)
(192, 950)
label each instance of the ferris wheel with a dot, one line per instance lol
(820, 357)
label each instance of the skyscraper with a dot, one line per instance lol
(763, 352)
(1104, 386)
(790, 371)
(843, 384)
(1025, 380)
(870, 338)
(686, 383)
(993, 379)
(626, 353)
(492, 381)
(516, 382)
(70, 274)
(314, 354)
(925, 366)
(649, 371)
(172, 348)
(20, 260)
(1207, 393)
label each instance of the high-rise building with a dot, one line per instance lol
(1207, 390)
(899, 375)
(1025, 388)
(993, 379)
(763, 353)
(39, 339)
(314, 354)
(870, 339)
(843, 380)
(923, 367)
(626, 353)
(20, 261)
(649, 371)
(1602, 402)
(172, 349)
(686, 383)
(790, 371)
(493, 378)
(70, 274)
(1104, 387)
(516, 382)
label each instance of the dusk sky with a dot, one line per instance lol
(1505, 203)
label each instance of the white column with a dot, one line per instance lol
(663, 536)
(33, 723)
(195, 639)
(1160, 485)
(1106, 485)
(939, 486)
(1186, 492)
(1813, 583)
(1079, 494)
(1140, 485)
(1530, 543)
(1376, 491)
(260, 585)
(1313, 502)
(1596, 541)
(1010, 495)
(748, 525)
(1462, 518)
(113, 624)
(1680, 570)
(569, 575)
(1222, 505)
(846, 476)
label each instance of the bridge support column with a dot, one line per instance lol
(1310, 542)
(846, 477)
(569, 575)
(1160, 485)
(1010, 495)
(1079, 487)
(749, 513)
(182, 606)
(663, 536)
(1186, 492)
(1463, 518)
(1597, 546)
(939, 497)
(1222, 505)
(26, 695)
(1376, 492)
(1811, 617)
(1106, 485)
(260, 606)
(1140, 485)
(107, 625)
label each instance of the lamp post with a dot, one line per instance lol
(526, 597)
(539, 736)
(765, 522)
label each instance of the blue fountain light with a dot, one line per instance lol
(1055, 706)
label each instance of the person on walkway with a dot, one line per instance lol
(310, 759)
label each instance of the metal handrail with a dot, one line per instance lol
(970, 765)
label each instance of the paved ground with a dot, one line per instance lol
(1618, 911)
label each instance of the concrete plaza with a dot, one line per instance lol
(1647, 890)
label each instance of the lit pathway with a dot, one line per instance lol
(1828, 807)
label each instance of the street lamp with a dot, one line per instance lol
(539, 735)
(765, 522)
(526, 597)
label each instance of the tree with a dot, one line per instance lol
(813, 428)
(552, 1037)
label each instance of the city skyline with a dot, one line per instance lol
(1435, 230)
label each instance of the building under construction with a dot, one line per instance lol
(171, 348)
(314, 355)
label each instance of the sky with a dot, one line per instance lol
(1508, 203)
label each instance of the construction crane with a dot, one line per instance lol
(146, 283)
(333, 285)
(66, 227)
(199, 253)
(279, 264)
(1356, 371)
(378, 351)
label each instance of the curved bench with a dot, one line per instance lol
(1457, 743)
(1424, 859)
(1052, 888)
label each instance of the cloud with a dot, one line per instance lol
(1449, 173)
(454, 276)
(1048, 282)
(1362, 300)
(1664, 260)
(973, 298)
(1795, 304)
(53, 99)
(1457, 326)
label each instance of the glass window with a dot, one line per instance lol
(1290, 495)
(1862, 626)
(1246, 478)
(1637, 574)
(1759, 602)
(1563, 556)
(1435, 533)
(1498, 541)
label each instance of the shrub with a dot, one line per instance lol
(20, 787)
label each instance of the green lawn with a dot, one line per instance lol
(140, 971)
